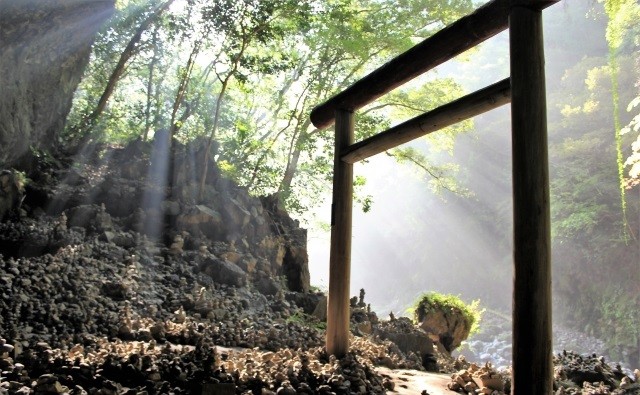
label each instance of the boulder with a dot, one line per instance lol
(248, 263)
(306, 301)
(578, 369)
(287, 245)
(201, 219)
(404, 334)
(446, 325)
(11, 193)
(224, 272)
(82, 216)
(267, 286)
(320, 312)
(295, 266)
(122, 197)
(170, 207)
(233, 212)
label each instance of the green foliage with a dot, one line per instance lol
(247, 74)
(620, 310)
(404, 104)
(584, 170)
(621, 14)
(592, 242)
(365, 202)
(44, 159)
(434, 301)
(439, 178)
(319, 289)
(21, 179)
(633, 161)
(306, 320)
(622, 26)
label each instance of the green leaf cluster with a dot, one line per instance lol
(435, 301)
(307, 320)
(243, 76)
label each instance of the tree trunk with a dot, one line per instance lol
(44, 49)
(212, 135)
(294, 157)
(292, 168)
(130, 50)
(152, 67)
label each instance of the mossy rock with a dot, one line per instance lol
(446, 318)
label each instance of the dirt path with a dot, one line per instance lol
(414, 382)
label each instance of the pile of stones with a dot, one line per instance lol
(94, 302)
(574, 374)
(100, 366)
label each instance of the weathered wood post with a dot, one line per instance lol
(532, 355)
(340, 255)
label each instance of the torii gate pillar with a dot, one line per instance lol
(532, 352)
(341, 225)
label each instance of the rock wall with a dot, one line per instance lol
(44, 49)
(122, 194)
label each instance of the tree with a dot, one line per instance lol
(119, 53)
(344, 40)
(243, 23)
(375, 31)
(591, 239)
(132, 47)
(620, 13)
(249, 78)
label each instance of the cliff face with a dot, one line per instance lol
(122, 195)
(44, 48)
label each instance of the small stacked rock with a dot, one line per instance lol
(93, 301)
(117, 367)
(574, 374)
(478, 380)
(590, 374)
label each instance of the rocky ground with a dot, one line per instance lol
(492, 343)
(104, 291)
(95, 317)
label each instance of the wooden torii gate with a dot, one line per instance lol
(525, 89)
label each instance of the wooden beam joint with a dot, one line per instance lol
(473, 104)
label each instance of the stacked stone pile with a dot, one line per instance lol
(111, 285)
(101, 294)
(574, 374)
(103, 289)
(100, 366)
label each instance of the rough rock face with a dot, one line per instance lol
(100, 292)
(11, 193)
(224, 272)
(44, 49)
(408, 338)
(260, 239)
(295, 262)
(95, 317)
(573, 369)
(107, 310)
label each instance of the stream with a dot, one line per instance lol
(493, 342)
